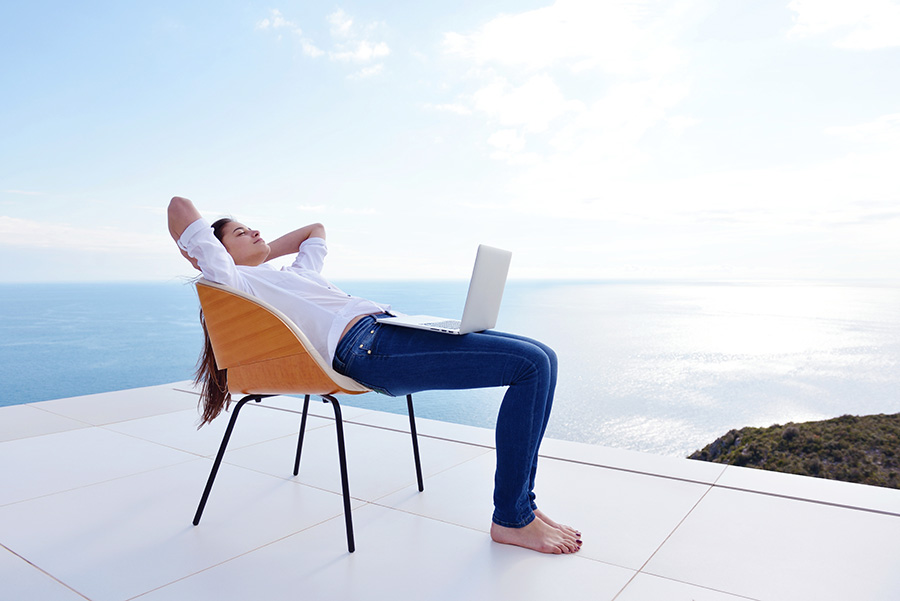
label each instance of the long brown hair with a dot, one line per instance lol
(213, 382)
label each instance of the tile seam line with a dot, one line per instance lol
(44, 572)
(640, 570)
(100, 482)
(672, 533)
(57, 414)
(693, 584)
(714, 484)
(425, 478)
(592, 464)
(363, 424)
(196, 454)
(895, 514)
(486, 533)
(493, 447)
(230, 559)
(104, 423)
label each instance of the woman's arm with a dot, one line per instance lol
(182, 213)
(290, 243)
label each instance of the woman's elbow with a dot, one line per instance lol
(176, 207)
(317, 230)
(181, 213)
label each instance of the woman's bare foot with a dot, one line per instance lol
(567, 529)
(538, 536)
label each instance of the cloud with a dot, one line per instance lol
(883, 129)
(678, 124)
(583, 81)
(533, 105)
(310, 49)
(507, 140)
(458, 109)
(841, 193)
(25, 233)
(360, 51)
(357, 44)
(276, 21)
(591, 98)
(370, 71)
(351, 42)
(613, 126)
(341, 23)
(856, 25)
(509, 145)
(624, 37)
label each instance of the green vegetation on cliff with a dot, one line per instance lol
(849, 448)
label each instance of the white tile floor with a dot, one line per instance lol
(98, 493)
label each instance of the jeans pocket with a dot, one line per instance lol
(356, 344)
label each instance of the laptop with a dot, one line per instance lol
(482, 301)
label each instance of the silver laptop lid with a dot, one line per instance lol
(485, 289)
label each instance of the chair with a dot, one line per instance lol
(266, 354)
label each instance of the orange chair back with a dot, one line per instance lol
(262, 349)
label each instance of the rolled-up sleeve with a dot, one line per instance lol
(215, 263)
(311, 255)
(190, 232)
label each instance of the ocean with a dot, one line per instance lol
(657, 366)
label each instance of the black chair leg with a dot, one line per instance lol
(300, 438)
(415, 441)
(342, 456)
(221, 454)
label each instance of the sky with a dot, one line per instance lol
(632, 139)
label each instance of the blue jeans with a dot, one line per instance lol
(398, 361)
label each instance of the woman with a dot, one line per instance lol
(393, 360)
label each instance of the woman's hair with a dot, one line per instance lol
(219, 226)
(213, 382)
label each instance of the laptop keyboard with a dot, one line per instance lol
(450, 324)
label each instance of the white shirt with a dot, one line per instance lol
(320, 309)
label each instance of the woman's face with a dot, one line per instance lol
(244, 245)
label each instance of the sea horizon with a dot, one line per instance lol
(655, 365)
